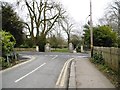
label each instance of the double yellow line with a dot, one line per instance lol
(63, 74)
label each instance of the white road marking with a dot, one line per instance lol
(55, 57)
(17, 65)
(29, 73)
(82, 56)
(51, 55)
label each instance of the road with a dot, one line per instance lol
(41, 72)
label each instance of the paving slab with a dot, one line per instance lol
(88, 76)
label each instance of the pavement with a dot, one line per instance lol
(83, 74)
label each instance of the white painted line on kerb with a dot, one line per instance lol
(55, 57)
(29, 73)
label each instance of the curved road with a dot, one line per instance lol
(41, 72)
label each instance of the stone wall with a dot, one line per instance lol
(25, 49)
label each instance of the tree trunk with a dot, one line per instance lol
(42, 42)
(68, 40)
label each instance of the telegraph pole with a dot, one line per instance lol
(118, 50)
(91, 29)
(119, 22)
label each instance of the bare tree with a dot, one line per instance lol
(43, 16)
(67, 27)
(112, 16)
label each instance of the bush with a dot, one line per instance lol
(8, 42)
(28, 43)
(118, 42)
(103, 36)
(97, 58)
(3, 63)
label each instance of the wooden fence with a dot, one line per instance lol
(111, 56)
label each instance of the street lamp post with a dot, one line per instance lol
(91, 29)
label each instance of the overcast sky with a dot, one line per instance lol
(79, 10)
